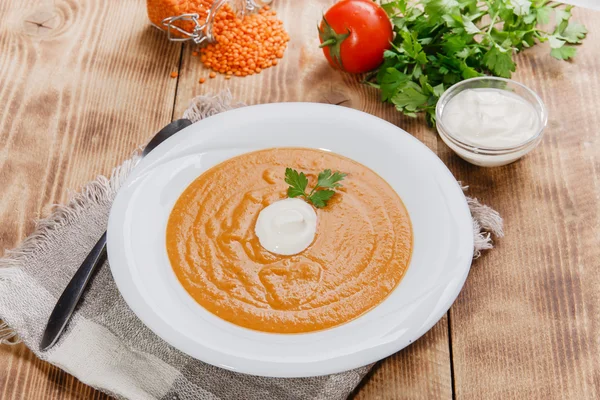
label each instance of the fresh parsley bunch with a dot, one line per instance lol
(441, 42)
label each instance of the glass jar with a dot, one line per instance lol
(184, 20)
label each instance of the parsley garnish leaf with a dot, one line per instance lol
(297, 182)
(320, 197)
(321, 193)
(328, 179)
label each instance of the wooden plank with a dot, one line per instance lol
(423, 370)
(24, 376)
(542, 345)
(419, 372)
(82, 84)
(526, 324)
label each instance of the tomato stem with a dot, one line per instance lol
(328, 42)
(333, 40)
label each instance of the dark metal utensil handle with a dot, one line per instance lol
(70, 297)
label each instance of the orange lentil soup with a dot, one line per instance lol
(360, 253)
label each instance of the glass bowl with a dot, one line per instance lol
(490, 156)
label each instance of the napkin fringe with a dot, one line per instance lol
(9, 268)
(8, 335)
(205, 106)
(486, 221)
(101, 189)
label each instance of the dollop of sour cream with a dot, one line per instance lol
(286, 226)
(491, 118)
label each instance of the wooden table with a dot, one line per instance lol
(83, 83)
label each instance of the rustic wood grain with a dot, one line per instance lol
(80, 91)
(23, 376)
(526, 323)
(82, 84)
(419, 372)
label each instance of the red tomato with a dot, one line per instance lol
(354, 34)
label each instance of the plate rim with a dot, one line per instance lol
(268, 369)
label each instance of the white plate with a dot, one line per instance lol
(443, 239)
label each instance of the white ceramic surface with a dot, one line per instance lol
(443, 239)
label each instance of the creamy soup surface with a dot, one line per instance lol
(361, 250)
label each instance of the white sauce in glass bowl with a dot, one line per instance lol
(491, 118)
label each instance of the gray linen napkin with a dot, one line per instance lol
(106, 345)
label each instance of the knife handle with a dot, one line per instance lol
(70, 297)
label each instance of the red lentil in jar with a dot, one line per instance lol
(238, 45)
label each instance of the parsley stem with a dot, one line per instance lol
(313, 191)
(553, 5)
(438, 34)
(492, 23)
